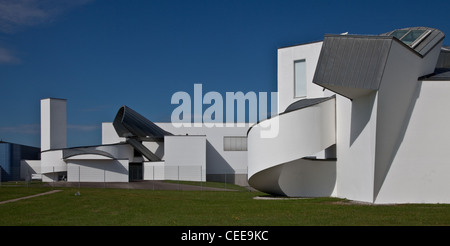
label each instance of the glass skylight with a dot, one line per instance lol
(410, 37)
(399, 33)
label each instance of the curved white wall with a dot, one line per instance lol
(302, 133)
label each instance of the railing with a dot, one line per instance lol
(84, 176)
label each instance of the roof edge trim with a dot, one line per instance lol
(300, 44)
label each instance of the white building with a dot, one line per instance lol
(362, 117)
(134, 148)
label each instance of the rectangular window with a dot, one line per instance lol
(412, 36)
(300, 78)
(235, 143)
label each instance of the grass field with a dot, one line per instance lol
(124, 207)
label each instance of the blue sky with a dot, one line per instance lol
(102, 54)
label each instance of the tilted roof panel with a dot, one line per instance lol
(129, 123)
(352, 61)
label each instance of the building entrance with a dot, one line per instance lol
(135, 172)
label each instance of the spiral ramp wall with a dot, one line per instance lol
(283, 163)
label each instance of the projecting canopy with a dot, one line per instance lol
(129, 123)
(354, 65)
(136, 128)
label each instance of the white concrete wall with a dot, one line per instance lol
(97, 170)
(411, 132)
(286, 57)
(389, 142)
(53, 124)
(153, 170)
(396, 100)
(356, 129)
(28, 168)
(185, 150)
(185, 157)
(370, 127)
(218, 161)
(109, 134)
(420, 170)
(52, 162)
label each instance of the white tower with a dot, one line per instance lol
(53, 123)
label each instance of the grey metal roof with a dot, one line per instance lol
(129, 123)
(444, 58)
(352, 65)
(306, 103)
(84, 151)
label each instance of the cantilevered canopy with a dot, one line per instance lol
(136, 128)
(129, 123)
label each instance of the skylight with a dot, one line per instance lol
(410, 37)
(399, 33)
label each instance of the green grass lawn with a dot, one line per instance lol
(201, 208)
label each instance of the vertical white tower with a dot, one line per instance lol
(53, 123)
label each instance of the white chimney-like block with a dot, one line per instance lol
(53, 123)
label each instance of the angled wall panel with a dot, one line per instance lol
(352, 65)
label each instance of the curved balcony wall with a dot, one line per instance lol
(283, 164)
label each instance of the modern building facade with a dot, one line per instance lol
(362, 117)
(134, 148)
(11, 155)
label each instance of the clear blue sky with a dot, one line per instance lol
(101, 54)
